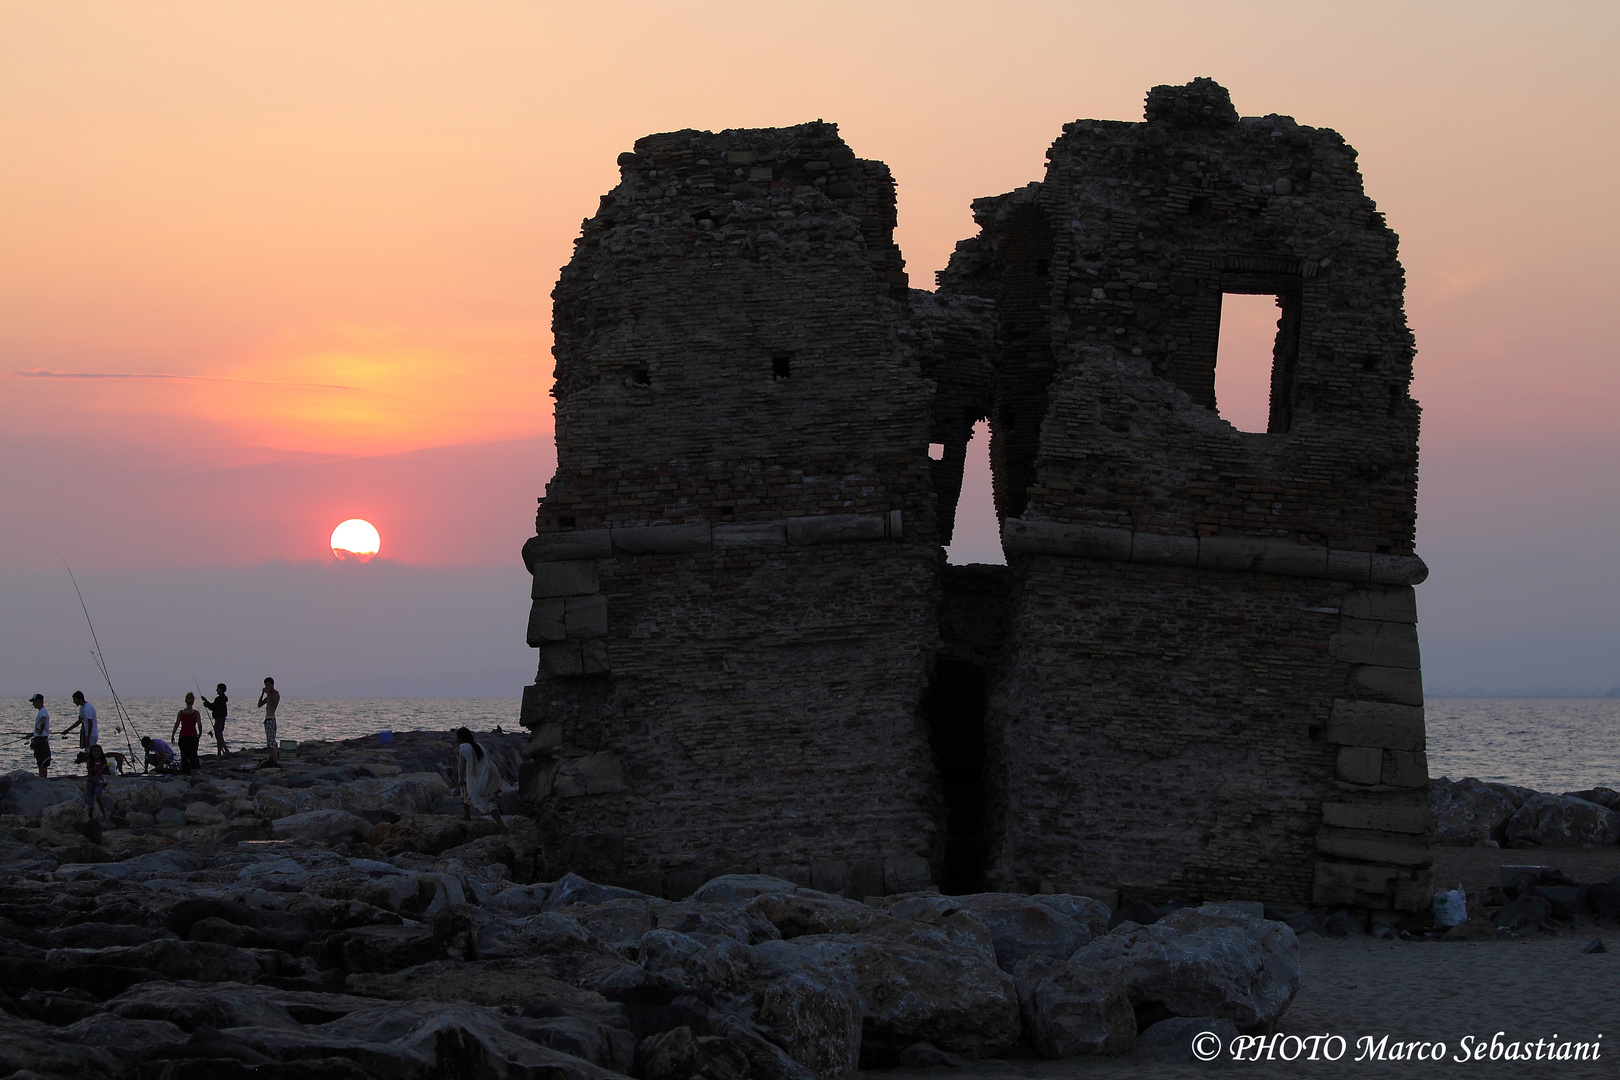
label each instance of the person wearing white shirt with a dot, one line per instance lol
(89, 727)
(41, 739)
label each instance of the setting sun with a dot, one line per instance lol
(357, 539)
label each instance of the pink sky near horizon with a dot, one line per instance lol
(324, 235)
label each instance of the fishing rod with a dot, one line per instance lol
(126, 722)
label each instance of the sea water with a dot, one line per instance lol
(1549, 744)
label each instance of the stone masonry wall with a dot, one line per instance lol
(735, 564)
(1197, 678)
(1184, 654)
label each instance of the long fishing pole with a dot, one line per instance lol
(126, 722)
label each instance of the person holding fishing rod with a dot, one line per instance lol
(89, 727)
(40, 741)
(217, 709)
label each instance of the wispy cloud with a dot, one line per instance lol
(88, 375)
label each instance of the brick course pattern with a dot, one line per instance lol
(1200, 667)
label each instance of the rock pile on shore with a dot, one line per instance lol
(1478, 813)
(339, 918)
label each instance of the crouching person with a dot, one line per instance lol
(160, 756)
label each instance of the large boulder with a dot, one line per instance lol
(1547, 820)
(1069, 1010)
(1469, 813)
(279, 802)
(523, 983)
(410, 793)
(1206, 961)
(810, 912)
(328, 826)
(573, 889)
(811, 1012)
(913, 988)
(1603, 796)
(66, 818)
(25, 794)
(1020, 928)
(44, 1051)
(1092, 914)
(740, 888)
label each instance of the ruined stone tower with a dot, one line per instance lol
(1196, 677)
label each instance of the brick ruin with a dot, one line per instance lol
(1197, 676)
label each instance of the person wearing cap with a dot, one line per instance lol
(89, 727)
(40, 742)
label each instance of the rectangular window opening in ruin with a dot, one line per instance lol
(936, 451)
(781, 365)
(1254, 360)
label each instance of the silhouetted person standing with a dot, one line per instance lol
(217, 709)
(270, 698)
(188, 722)
(89, 727)
(40, 741)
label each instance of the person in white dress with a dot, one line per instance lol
(480, 779)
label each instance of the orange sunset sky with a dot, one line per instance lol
(270, 265)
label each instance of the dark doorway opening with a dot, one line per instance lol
(954, 708)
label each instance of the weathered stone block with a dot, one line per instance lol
(1399, 819)
(1401, 685)
(1293, 560)
(903, 873)
(545, 738)
(1338, 884)
(1393, 849)
(581, 544)
(1229, 552)
(586, 616)
(836, 529)
(1394, 604)
(661, 539)
(1360, 765)
(532, 712)
(1053, 538)
(535, 779)
(573, 577)
(1164, 550)
(593, 774)
(750, 534)
(1404, 768)
(1398, 570)
(545, 622)
(593, 656)
(829, 875)
(1414, 890)
(559, 659)
(1348, 565)
(1383, 724)
(1388, 644)
(865, 878)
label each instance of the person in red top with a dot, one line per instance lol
(188, 723)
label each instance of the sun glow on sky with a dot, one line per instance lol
(356, 539)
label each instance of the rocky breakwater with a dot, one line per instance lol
(342, 923)
(1478, 813)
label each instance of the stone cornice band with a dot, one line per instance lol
(809, 531)
(1250, 554)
